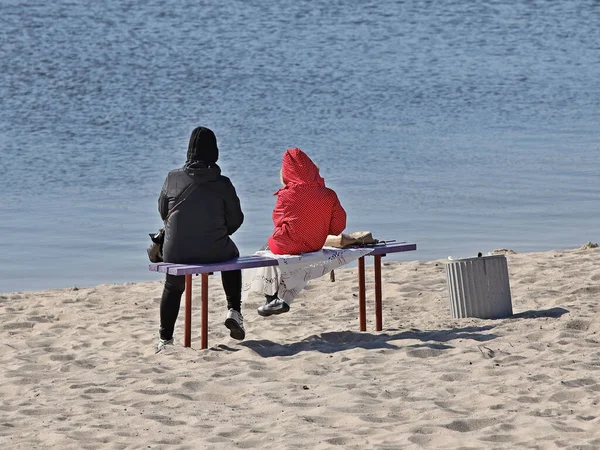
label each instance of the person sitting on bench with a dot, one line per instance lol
(201, 210)
(305, 213)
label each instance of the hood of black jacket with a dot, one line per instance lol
(201, 172)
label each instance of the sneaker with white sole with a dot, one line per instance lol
(235, 323)
(162, 343)
(276, 306)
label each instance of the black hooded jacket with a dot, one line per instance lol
(198, 230)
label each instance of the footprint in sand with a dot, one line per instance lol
(424, 353)
(166, 420)
(17, 325)
(467, 425)
(579, 325)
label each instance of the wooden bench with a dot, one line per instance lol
(249, 262)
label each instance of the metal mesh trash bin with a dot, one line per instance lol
(479, 287)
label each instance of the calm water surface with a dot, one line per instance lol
(463, 126)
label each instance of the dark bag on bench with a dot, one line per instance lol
(155, 249)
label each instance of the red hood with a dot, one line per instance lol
(298, 168)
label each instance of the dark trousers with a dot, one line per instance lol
(173, 290)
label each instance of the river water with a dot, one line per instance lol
(463, 126)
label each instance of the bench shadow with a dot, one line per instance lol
(338, 341)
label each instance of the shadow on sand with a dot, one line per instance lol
(337, 341)
(533, 314)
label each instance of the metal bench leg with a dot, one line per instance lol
(187, 325)
(204, 340)
(362, 310)
(378, 306)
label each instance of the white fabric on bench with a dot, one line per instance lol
(293, 272)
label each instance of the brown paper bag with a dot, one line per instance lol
(345, 240)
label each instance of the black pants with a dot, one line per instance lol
(174, 287)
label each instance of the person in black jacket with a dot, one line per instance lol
(198, 229)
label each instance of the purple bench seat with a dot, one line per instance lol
(249, 262)
(243, 262)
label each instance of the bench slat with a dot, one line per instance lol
(249, 262)
(243, 262)
(393, 248)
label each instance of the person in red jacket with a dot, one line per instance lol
(305, 213)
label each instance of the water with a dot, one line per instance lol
(462, 126)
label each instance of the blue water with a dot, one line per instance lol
(462, 125)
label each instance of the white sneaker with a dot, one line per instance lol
(162, 343)
(277, 306)
(235, 323)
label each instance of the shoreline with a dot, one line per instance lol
(78, 368)
(400, 257)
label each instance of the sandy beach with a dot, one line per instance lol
(78, 368)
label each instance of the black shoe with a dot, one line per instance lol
(277, 306)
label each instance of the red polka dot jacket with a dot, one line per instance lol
(306, 210)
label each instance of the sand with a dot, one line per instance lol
(78, 368)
